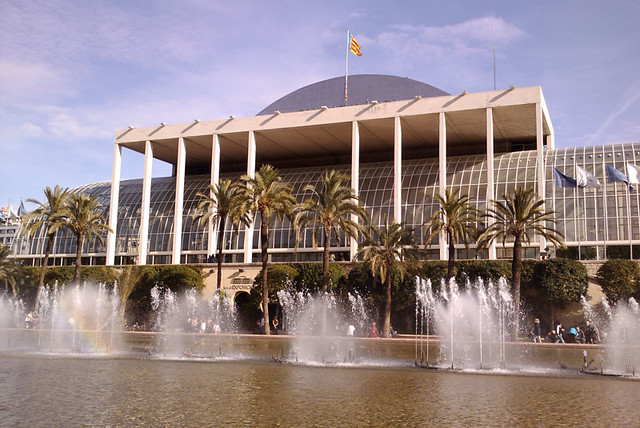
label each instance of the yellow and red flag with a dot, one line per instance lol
(354, 47)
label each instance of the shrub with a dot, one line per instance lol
(619, 279)
(99, 274)
(361, 280)
(436, 270)
(177, 278)
(27, 284)
(310, 276)
(180, 277)
(61, 274)
(279, 277)
(486, 269)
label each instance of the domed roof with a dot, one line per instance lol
(363, 88)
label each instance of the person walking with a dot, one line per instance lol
(559, 333)
(536, 331)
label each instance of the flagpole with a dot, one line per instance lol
(604, 208)
(584, 216)
(346, 67)
(578, 231)
(629, 222)
(553, 199)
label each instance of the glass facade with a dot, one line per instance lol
(596, 217)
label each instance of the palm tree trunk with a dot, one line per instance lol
(264, 241)
(76, 273)
(220, 244)
(386, 320)
(516, 273)
(452, 257)
(122, 310)
(325, 260)
(43, 269)
(325, 277)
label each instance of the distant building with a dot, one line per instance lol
(9, 223)
(400, 141)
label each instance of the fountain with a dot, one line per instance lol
(459, 327)
(323, 326)
(179, 316)
(471, 323)
(620, 326)
(77, 319)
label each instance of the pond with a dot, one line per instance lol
(234, 388)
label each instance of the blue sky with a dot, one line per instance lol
(72, 72)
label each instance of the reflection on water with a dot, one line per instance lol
(52, 391)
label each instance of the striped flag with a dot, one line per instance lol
(354, 47)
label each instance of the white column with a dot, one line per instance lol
(251, 172)
(540, 173)
(355, 178)
(442, 174)
(143, 242)
(212, 229)
(113, 204)
(490, 176)
(397, 170)
(177, 218)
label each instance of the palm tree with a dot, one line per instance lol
(222, 204)
(457, 219)
(269, 196)
(330, 210)
(7, 270)
(520, 216)
(127, 279)
(50, 214)
(385, 249)
(84, 220)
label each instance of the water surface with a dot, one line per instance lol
(41, 390)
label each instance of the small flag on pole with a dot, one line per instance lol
(615, 175)
(586, 179)
(562, 180)
(21, 210)
(354, 47)
(633, 172)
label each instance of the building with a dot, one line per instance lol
(400, 141)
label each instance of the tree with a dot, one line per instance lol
(331, 209)
(49, 214)
(519, 216)
(561, 281)
(7, 270)
(619, 279)
(84, 221)
(221, 205)
(266, 194)
(385, 248)
(456, 219)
